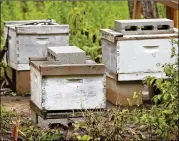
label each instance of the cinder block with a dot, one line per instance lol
(46, 123)
(66, 55)
(144, 26)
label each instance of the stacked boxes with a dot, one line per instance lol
(69, 82)
(131, 56)
(31, 39)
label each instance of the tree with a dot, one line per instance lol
(148, 10)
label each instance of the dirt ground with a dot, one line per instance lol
(17, 104)
(20, 104)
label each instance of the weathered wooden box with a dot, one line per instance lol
(32, 40)
(133, 57)
(118, 92)
(67, 87)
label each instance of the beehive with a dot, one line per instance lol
(31, 40)
(66, 55)
(67, 87)
(133, 57)
(130, 54)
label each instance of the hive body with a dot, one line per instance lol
(32, 40)
(67, 87)
(134, 51)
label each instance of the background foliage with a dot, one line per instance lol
(84, 18)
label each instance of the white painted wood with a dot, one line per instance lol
(109, 56)
(36, 86)
(67, 92)
(135, 59)
(144, 56)
(42, 29)
(13, 23)
(139, 76)
(21, 47)
(36, 46)
(12, 53)
(109, 34)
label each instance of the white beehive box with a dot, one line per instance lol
(67, 87)
(32, 40)
(13, 23)
(133, 57)
(66, 55)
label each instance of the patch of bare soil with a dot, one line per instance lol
(17, 104)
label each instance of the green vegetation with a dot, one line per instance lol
(84, 18)
(31, 132)
(158, 123)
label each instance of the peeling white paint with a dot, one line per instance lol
(136, 59)
(140, 56)
(36, 85)
(67, 92)
(21, 47)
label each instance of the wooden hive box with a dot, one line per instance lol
(130, 56)
(133, 57)
(32, 40)
(67, 87)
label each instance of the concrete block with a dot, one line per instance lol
(46, 123)
(66, 55)
(144, 26)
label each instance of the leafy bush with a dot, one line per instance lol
(157, 123)
(168, 90)
(34, 133)
(31, 131)
(6, 122)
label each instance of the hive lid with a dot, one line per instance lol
(11, 23)
(47, 69)
(112, 36)
(37, 27)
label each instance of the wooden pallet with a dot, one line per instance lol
(64, 117)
